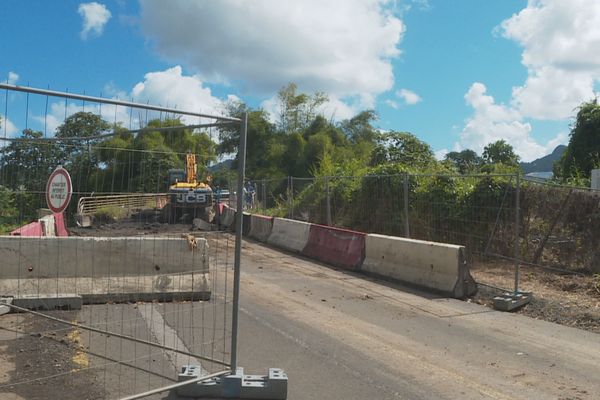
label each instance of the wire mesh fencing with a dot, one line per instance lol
(505, 222)
(113, 305)
(560, 227)
(478, 212)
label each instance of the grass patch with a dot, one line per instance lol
(110, 214)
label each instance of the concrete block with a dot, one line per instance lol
(116, 289)
(430, 265)
(48, 227)
(32, 229)
(339, 247)
(4, 308)
(83, 221)
(511, 301)
(58, 301)
(289, 234)
(60, 257)
(43, 212)
(246, 223)
(272, 386)
(59, 224)
(228, 217)
(260, 227)
(199, 224)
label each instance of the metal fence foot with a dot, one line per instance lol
(511, 301)
(235, 386)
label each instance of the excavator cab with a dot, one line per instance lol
(188, 197)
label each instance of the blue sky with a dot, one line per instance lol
(458, 74)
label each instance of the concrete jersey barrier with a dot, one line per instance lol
(246, 223)
(339, 247)
(228, 217)
(289, 234)
(438, 266)
(34, 229)
(57, 257)
(59, 224)
(260, 227)
(48, 225)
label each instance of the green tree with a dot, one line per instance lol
(464, 161)
(80, 133)
(297, 110)
(27, 162)
(500, 152)
(360, 127)
(402, 148)
(294, 158)
(583, 152)
(265, 147)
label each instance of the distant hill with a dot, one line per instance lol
(545, 163)
(225, 164)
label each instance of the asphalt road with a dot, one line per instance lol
(341, 336)
(338, 335)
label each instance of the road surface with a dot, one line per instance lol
(341, 335)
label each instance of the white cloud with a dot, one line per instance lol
(561, 50)
(333, 109)
(338, 109)
(94, 16)
(392, 104)
(342, 47)
(408, 96)
(167, 88)
(491, 122)
(6, 126)
(177, 90)
(551, 93)
(13, 77)
(441, 154)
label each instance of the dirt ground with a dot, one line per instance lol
(565, 299)
(571, 300)
(33, 346)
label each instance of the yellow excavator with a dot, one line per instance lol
(187, 196)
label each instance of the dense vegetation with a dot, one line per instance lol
(447, 203)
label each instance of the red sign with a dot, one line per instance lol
(59, 190)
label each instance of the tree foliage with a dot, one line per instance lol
(500, 152)
(583, 152)
(297, 110)
(464, 161)
(402, 148)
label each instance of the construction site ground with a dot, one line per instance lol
(566, 299)
(338, 334)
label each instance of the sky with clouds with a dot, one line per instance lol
(457, 74)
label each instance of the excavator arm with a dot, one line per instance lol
(191, 168)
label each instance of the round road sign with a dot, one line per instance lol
(58, 190)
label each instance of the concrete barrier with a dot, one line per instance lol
(48, 225)
(57, 257)
(32, 229)
(260, 227)
(228, 217)
(438, 266)
(246, 223)
(59, 224)
(289, 234)
(339, 247)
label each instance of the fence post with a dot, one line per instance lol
(238, 241)
(329, 222)
(517, 222)
(406, 221)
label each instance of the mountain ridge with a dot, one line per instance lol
(544, 164)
